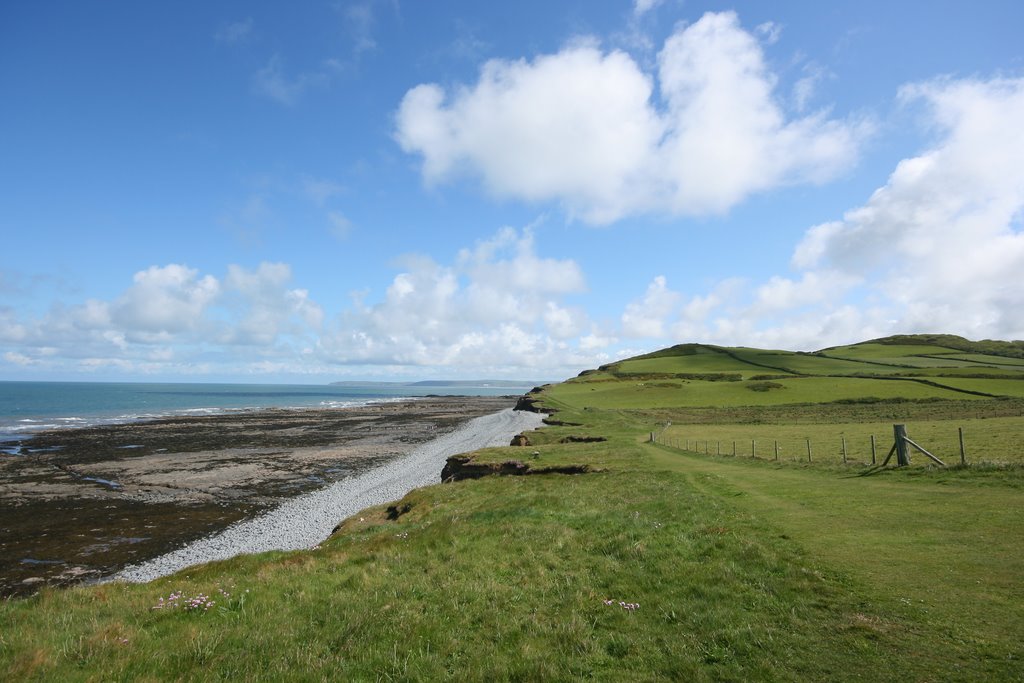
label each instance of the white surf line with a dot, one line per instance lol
(306, 520)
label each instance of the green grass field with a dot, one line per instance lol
(1001, 387)
(660, 563)
(989, 359)
(697, 393)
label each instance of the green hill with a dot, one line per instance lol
(673, 560)
(930, 367)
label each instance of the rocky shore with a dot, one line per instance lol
(83, 504)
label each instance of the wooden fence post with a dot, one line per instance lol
(808, 450)
(872, 449)
(963, 453)
(719, 447)
(753, 449)
(902, 453)
(734, 449)
(776, 449)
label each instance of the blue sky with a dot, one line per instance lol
(319, 191)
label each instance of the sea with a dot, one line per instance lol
(29, 407)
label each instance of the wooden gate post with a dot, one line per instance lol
(902, 453)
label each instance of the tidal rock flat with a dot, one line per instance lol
(83, 504)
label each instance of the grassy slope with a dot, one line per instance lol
(743, 570)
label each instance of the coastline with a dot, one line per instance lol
(83, 504)
(305, 521)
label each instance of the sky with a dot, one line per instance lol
(397, 190)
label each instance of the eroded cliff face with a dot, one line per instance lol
(530, 403)
(459, 467)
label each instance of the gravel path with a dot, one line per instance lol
(305, 521)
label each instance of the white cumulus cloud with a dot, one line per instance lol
(164, 299)
(595, 132)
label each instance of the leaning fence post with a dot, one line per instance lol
(963, 454)
(808, 450)
(872, 449)
(924, 450)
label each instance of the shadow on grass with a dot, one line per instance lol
(872, 471)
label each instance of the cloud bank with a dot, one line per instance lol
(497, 308)
(172, 319)
(499, 305)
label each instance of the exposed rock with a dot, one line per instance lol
(520, 440)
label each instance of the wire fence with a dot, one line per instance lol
(870, 449)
